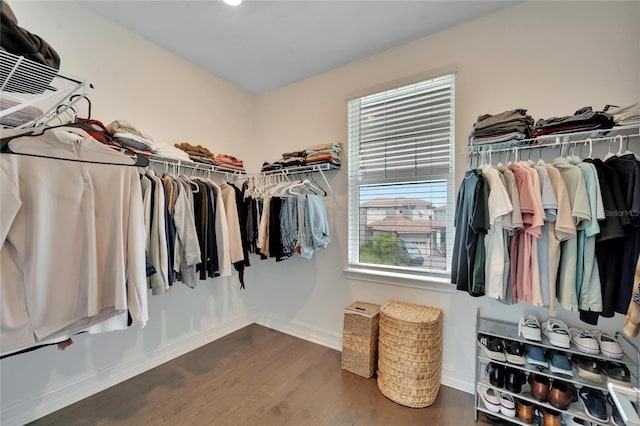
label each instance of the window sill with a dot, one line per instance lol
(423, 282)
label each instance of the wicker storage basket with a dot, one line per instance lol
(410, 353)
(360, 338)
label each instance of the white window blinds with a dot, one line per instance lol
(400, 176)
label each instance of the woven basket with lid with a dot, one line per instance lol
(360, 338)
(410, 353)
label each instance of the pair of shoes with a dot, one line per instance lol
(529, 328)
(539, 387)
(587, 368)
(535, 356)
(504, 377)
(594, 404)
(559, 362)
(562, 394)
(595, 341)
(497, 402)
(501, 350)
(557, 332)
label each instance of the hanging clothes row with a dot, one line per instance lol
(286, 218)
(193, 229)
(534, 232)
(72, 238)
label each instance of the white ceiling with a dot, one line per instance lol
(264, 44)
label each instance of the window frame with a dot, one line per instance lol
(401, 275)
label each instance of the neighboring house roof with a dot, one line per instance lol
(396, 202)
(407, 226)
(439, 208)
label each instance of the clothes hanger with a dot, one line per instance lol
(611, 154)
(590, 143)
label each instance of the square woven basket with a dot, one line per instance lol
(360, 338)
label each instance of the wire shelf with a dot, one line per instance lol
(558, 139)
(301, 169)
(31, 92)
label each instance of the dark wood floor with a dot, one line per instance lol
(256, 376)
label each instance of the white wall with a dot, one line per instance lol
(549, 57)
(174, 101)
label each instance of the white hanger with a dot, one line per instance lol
(610, 154)
(590, 142)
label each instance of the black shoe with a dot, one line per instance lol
(617, 373)
(587, 368)
(492, 347)
(514, 352)
(594, 404)
(496, 374)
(514, 379)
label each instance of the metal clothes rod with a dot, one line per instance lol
(488, 148)
(194, 165)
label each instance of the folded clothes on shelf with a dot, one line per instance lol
(508, 126)
(582, 120)
(626, 116)
(507, 122)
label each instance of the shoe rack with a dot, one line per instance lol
(509, 331)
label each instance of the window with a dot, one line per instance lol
(401, 179)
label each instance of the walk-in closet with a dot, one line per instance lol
(243, 212)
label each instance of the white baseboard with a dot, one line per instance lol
(450, 377)
(312, 334)
(457, 380)
(41, 405)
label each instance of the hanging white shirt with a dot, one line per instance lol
(72, 237)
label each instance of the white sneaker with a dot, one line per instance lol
(557, 332)
(608, 344)
(507, 405)
(585, 340)
(490, 398)
(529, 328)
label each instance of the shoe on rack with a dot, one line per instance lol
(492, 347)
(594, 404)
(617, 373)
(584, 340)
(529, 328)
(562, 394)
(550, 417)
(507, 405)
(496, 374)
(539, 387)
(557, 332)
(514, 352)
(524, 410)
(535, 356)
(616, 417)
(609, 346)
(514, 379)
(490, 398)
(559, 363)
(587, 368)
